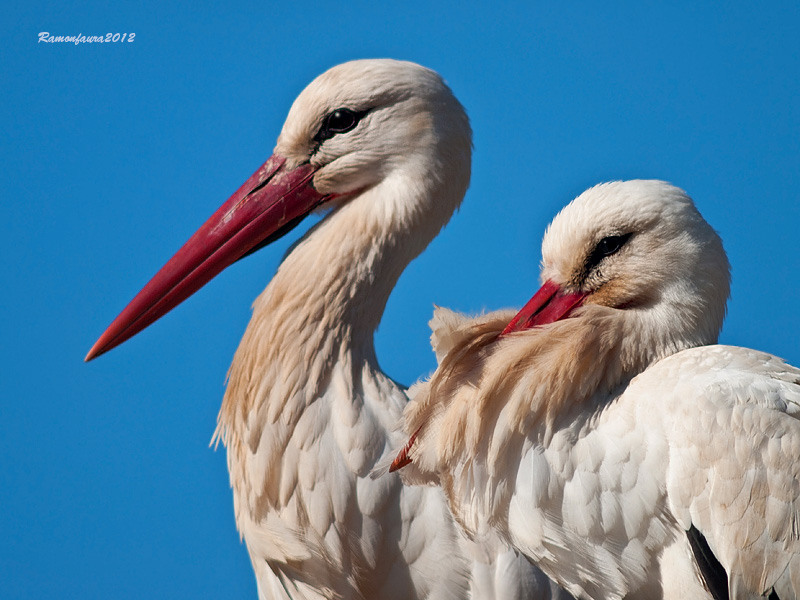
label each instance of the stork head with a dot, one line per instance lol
(640, 247)
(361, 122)
(643, 275)
(363, 125)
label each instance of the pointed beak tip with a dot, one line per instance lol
(92, 354)
(398, 463)
(402, 459)
(100, 347)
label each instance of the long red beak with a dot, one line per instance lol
(272, 201)
(548, 305)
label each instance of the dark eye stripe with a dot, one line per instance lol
(605, 247)
(340, 120)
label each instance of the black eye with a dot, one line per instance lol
(340, 120)
(606, 247)
(611, 244)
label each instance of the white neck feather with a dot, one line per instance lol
(321, 309)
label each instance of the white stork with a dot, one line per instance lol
(600, 435)
(385, 147)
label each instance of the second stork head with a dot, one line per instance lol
(642, 248)
(631, 273)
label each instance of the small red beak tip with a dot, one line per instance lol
(91, 355)
(402, 458)
(100, 347)
(398, 463)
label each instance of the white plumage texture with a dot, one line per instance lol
(307, 412)
(600, 445)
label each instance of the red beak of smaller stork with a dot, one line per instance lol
(270, 203)
(548, 305)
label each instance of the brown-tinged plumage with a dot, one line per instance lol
(600, 434)
(384, 147)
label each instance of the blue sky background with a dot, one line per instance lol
(114, 154)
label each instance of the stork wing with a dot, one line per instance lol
(733, 472)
